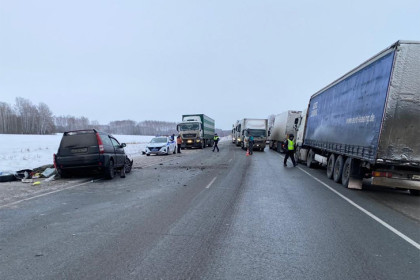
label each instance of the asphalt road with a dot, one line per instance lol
(205, 215)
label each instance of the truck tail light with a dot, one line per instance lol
(381, 174)
(55, 162)
(101, 145)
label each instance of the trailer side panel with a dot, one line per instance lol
(346, 118)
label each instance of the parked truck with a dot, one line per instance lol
(196, 130)
(238, 136)
(258, 128)
(235, 132)
(283, 126)
(366, 124)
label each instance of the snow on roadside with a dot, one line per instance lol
(19, 151)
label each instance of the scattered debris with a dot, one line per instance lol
(36, 183)
(7, 177)
(23, 174)
(48, 172)
(27, 180)
(50, 178)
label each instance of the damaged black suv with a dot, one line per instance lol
(91, 150)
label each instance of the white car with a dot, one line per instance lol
(161, 146)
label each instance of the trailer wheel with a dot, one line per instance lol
(345, 178)
(338, 169)
(330, 166)
(310, 158)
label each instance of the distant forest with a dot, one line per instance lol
(24, 117)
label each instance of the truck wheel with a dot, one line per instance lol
(338, 169)
(310, 159)
(110, 171)
(296, 155)
(330, 166)
(242, 146)
(345, 177)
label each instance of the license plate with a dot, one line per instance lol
(416, 177)
(155, 150)
(81, 150)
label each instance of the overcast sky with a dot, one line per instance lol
(157, 60)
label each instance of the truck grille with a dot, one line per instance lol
(189, 135)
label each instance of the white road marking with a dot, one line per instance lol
(394, 230)
(230, 160)
(212, 181)
(47, 193)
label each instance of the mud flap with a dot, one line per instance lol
(355, 183)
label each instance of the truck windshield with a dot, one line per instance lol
(257, 132)
(188, 126)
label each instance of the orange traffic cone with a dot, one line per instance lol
(247, 152)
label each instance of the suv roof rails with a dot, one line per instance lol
(72, 132)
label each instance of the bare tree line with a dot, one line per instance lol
(26, 118)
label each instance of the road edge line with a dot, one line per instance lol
(391, 228)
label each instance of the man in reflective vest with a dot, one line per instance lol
(290, 152)
(216, 140)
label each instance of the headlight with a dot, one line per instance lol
(189, 141)
(198, 140)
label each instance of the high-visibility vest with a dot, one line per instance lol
(290, 145)
(216, 138)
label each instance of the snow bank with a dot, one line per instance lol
(30, 151)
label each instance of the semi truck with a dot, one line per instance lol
(283, 126)
(235, 132)
(196, 130)
(366, 124)
(238, 137)
(258, 128)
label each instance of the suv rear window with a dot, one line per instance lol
(79, 140)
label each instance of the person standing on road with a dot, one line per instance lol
(179, 143)
(216, 140)
(251, 144)
(290, 150)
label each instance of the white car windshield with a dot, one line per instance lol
(158, 140)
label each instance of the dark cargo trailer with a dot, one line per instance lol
(367, 123)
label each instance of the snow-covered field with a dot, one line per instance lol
(31, 151)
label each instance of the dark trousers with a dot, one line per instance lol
(251, 148)
(215, 146)
(291, 154)
(179, 148)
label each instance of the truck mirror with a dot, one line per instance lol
(296, 121)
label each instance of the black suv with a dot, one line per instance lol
(91, 150)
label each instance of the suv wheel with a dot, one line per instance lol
(128, 165)
(110, 171)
